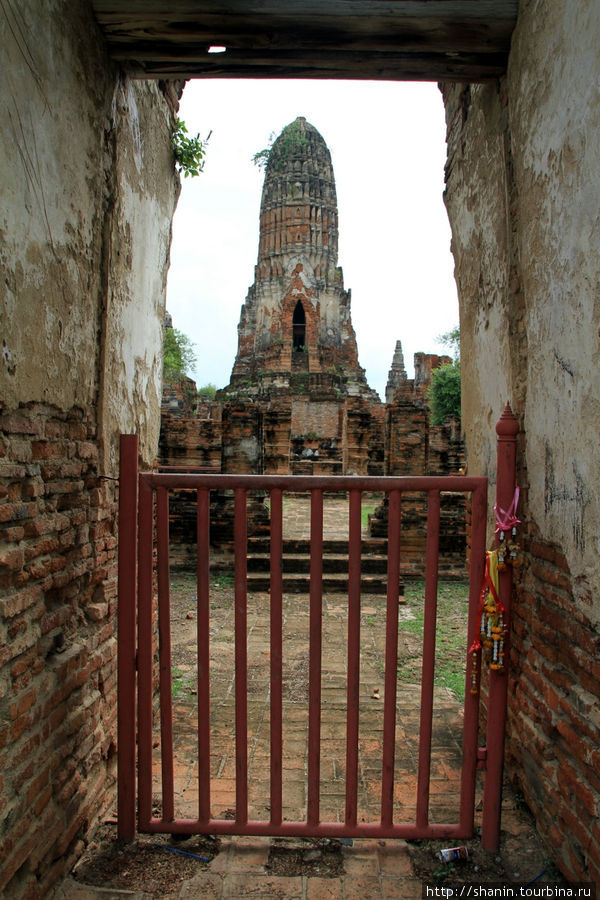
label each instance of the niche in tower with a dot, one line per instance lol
(299, 348)
(299, 327)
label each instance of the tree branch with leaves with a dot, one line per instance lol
(189, 152)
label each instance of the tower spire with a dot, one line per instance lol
(298, 211)
(296, 316)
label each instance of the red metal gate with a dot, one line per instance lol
(144, 572)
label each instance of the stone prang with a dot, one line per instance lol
(296, 317)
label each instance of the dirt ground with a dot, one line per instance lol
(166, 863)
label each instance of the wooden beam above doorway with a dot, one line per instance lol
(409, 40)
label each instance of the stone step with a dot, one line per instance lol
(300, 564)
(296, 565)
(334, 584)
(369, 546)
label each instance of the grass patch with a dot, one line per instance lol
(451, 636)
(177, 682)
(366, 510)
(222, 579)
(182, 682)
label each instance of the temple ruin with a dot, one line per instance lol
(298, 401)
(296, 375)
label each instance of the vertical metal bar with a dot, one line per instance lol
(428, 663)
(314, 661)
(506, 428)
(203, 638)
(353, 687)
(126, 625)
(145, 550)
(241, 657)
(391, 659)
(276, 653)
(471, 717)
(164, 654)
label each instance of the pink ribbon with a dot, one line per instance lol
(507, 519)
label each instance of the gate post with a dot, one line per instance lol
(126, 637)
(506, 429)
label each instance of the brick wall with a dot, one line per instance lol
(414, 447)
(190, 432)
(320, 418)
(554, 718)
(58, 655)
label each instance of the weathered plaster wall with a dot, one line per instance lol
(477, 202)
(87, 192)
(554, 87)
(52, 206)
(144, 191)
(524, 203)
(85, 224)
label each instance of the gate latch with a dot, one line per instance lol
(482, 758)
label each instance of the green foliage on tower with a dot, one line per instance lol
(291, 139)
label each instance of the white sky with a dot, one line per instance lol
(387, 143)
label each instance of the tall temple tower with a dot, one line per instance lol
(296, 317)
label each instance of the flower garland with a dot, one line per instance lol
(492, 612)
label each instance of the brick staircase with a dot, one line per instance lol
(296, 565)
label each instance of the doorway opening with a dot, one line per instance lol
(387, 143)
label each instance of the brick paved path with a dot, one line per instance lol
(447, 735)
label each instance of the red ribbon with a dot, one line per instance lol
(507, 519)
(475, 646)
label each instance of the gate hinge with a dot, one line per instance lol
(482, 758)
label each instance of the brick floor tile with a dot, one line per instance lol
(394, 858)
(205, 886)
(186, 809)
(220, 862)
(249, 854)
(324, 889)
(361, 888)
(398, 888)
(360, 861)
(262, 886)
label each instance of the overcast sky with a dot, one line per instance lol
(387, 143)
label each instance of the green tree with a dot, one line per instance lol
(179, 355)
(444, 392)
(451, 339)
(444, 389)
(207, 391)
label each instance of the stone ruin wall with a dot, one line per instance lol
(413, 446)
(88, 194)
(302, 435)
(523, 198)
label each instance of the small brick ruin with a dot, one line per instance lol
(298, 401)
